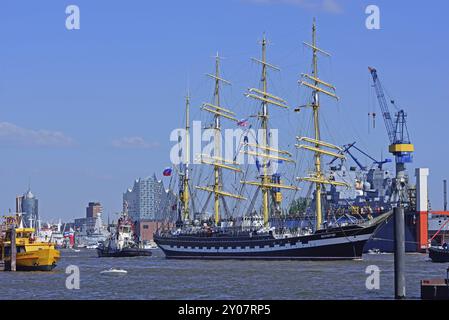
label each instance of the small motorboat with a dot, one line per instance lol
(439, 254)
(150, 245)
(114, 271)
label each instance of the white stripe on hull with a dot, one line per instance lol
(266, 248)
(240, 257)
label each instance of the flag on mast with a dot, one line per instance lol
(167, 172)
(243, 123)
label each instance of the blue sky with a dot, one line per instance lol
(85, 112)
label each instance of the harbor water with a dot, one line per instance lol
(158, 278)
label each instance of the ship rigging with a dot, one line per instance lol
(222, 241)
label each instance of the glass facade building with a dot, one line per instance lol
(29, 206)
(147, 200)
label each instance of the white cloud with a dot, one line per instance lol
(13, 135)
(330, 6)
(134, 142)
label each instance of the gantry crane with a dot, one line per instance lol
(400, 145)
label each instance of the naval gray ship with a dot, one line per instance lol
(370, 195)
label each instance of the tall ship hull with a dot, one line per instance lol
(383, 239)
(339, 243)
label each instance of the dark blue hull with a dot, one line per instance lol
(383, 239)
(339, 243)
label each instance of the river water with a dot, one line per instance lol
(158, 278)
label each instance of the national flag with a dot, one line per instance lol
(167, 172)
(243, 123)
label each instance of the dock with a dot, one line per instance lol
(435, 289)
(13, 253)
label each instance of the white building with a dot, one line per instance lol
(148, 200)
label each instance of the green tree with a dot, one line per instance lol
(298, 206)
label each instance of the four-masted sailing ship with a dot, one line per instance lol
(219, 240)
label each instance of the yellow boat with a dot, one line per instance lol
(31, 255)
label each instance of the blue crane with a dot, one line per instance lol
(400, 145)
(348, 147)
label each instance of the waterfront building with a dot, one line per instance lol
(88, 225)
(28, 205)
(90, 229)
(148, 205)
(93, 210)
(79, 224)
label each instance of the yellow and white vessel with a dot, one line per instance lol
(32, 255)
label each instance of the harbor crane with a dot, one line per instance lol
(348, 147)
(400, 145)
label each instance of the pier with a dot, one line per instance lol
(13, 253)
(2, 251)
(435, 289)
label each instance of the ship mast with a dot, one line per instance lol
(185, 195)
(317, 146)
(216, 161)
(265, 139)
(267, 182)
(217, 136)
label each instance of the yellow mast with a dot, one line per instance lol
(264, 149)
(316, 106)
(217, 136)
(317, 176)
(266, 143)
(185, 198)
(218, 111)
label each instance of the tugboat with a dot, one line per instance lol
(439, 254)
(32, 254)
(332, 239)
(123, 242)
